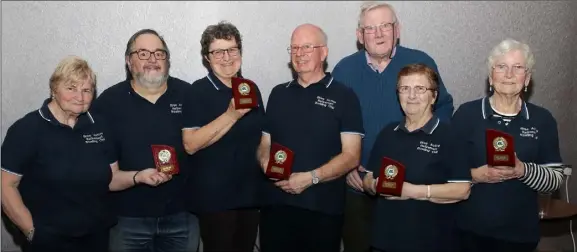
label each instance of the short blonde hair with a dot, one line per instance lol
(72, 69)
(368, 6)
(509, 45)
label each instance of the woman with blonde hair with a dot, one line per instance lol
(58, 167)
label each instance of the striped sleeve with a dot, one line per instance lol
(544, 177)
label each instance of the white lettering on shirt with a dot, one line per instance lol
(324, 102)
(428, 147)
(94, 138)
(529, 132)
(176, 108)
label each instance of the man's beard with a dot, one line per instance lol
(151, 81)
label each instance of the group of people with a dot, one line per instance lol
(79, 174)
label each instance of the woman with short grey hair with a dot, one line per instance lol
(513, 153)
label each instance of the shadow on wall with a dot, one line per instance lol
(18, 237)
(525, 95)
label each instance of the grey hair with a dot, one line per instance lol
(368, 6)
(509, 45)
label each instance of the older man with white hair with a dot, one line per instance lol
(372, 74)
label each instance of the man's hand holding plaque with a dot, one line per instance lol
(500, 148)
(391, 178)
(165, 159)
(244, 93)
(280, 162)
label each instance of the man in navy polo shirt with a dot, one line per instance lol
(372, 74)
(319, 119)
(146, 110)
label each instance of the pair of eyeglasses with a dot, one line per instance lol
(308, 48)
(384, 27)
(144, 54)
(219, 53)
(418, 89)
(517, 69)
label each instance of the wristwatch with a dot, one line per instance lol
(315, 178)
(30, 235)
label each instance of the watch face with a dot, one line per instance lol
(315, 178)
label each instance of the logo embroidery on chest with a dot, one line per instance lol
(176, 108)
(325, 102)
(529, 132)
(94, 138)
(428, 147)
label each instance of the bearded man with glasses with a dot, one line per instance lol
(145, 112)
(372, 73)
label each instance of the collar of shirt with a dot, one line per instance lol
(371, 65)
(487, 110)
(428, 128)
(130, 90)
(46, 114)
(326, 81)
(216, 82)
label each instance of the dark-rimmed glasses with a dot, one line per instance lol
(219, 53)
(144, 54)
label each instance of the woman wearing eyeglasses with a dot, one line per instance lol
(222, 141)
(502, 213)
(421, 217)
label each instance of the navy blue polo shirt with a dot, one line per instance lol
(506, 210)
(310, 121)
(226, 174)
(137, 124)
(65, 171)
(430, 156)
